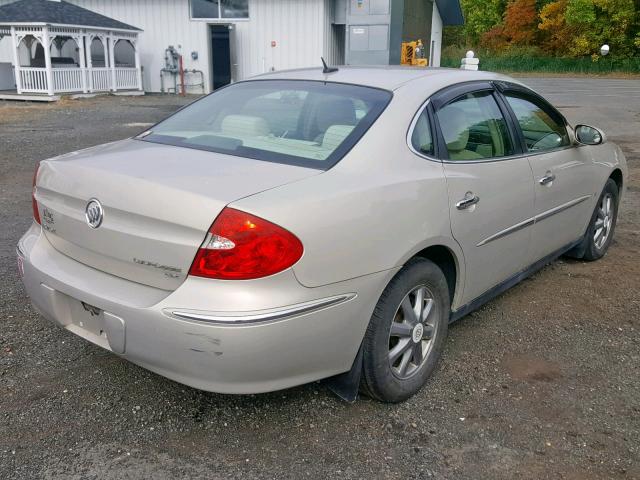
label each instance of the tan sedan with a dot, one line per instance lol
(312, 224)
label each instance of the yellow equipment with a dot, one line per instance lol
(413, 54)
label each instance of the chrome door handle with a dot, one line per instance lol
(468, 201)
(547, 179)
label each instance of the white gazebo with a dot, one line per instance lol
(59, 47)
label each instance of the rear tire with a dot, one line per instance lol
(406, 333)
(603, 223)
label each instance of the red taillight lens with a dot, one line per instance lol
(34, 203)
(241, 246)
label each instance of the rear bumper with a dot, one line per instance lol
(228, 337)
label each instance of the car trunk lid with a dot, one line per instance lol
(158, 203)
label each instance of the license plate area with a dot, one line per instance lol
(88, 322)
(85, 320)
(87, 317)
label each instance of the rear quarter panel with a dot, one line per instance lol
(371, 212)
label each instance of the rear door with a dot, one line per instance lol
(490, 185)
(562, 173)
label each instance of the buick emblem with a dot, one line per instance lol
(94, 213)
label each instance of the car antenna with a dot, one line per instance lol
(327, 68)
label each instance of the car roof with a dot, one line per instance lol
(386, 77)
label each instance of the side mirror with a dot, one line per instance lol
(587, 135)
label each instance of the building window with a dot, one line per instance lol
(220, 9)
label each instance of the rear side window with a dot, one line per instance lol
(421, 138)
(542, 127)
(305, 123)
(474, 128)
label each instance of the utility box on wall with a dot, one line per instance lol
(370, 7)
(340, 12)
(374, 32)
(7, 79)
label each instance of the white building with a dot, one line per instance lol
(226, 40)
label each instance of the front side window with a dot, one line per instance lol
(214, 9)
(298, 122)
(474, 128)
(542, 127)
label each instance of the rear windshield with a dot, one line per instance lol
(307, 123)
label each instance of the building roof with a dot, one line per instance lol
(450, 12)
(54, 12)
(388, 77)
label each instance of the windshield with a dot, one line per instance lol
(305, 123)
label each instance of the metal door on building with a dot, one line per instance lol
(223, 55)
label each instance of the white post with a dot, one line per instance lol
(16, 60)
(112, 62)
(138, 65)
(46, 44)
(470, 62)
(89, 63)
(435, 47)
(83, 64)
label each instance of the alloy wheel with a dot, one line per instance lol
(604, 221)
(412, 332)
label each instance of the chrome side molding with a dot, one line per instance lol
(261, 317)
(508, 231)
(561, 208)
(533, 220)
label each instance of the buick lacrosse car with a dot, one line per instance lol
(315, 224)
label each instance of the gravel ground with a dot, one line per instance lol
(543, 382)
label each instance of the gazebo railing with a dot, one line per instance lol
(101, 79)
(67, 79)
(33, 80)
(126, 78)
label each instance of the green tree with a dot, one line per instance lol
(573, 28)
(521, 22)
(601, 21)
(617, 20)
(556, 34)
(481, 16)
(580, 12)
(518, 28)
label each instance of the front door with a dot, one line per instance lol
(490, 189)
(562, 180)
(220, 55)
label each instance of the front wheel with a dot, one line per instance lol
(603, 223)
(406, 333)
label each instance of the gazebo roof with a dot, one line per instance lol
(57, 12)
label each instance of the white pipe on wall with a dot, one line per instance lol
(436, 38)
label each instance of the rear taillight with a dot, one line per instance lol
(34, 203)
(240, 246)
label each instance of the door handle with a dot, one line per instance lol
(547, 179)
(468, 201)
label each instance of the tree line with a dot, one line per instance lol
(560, 28)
